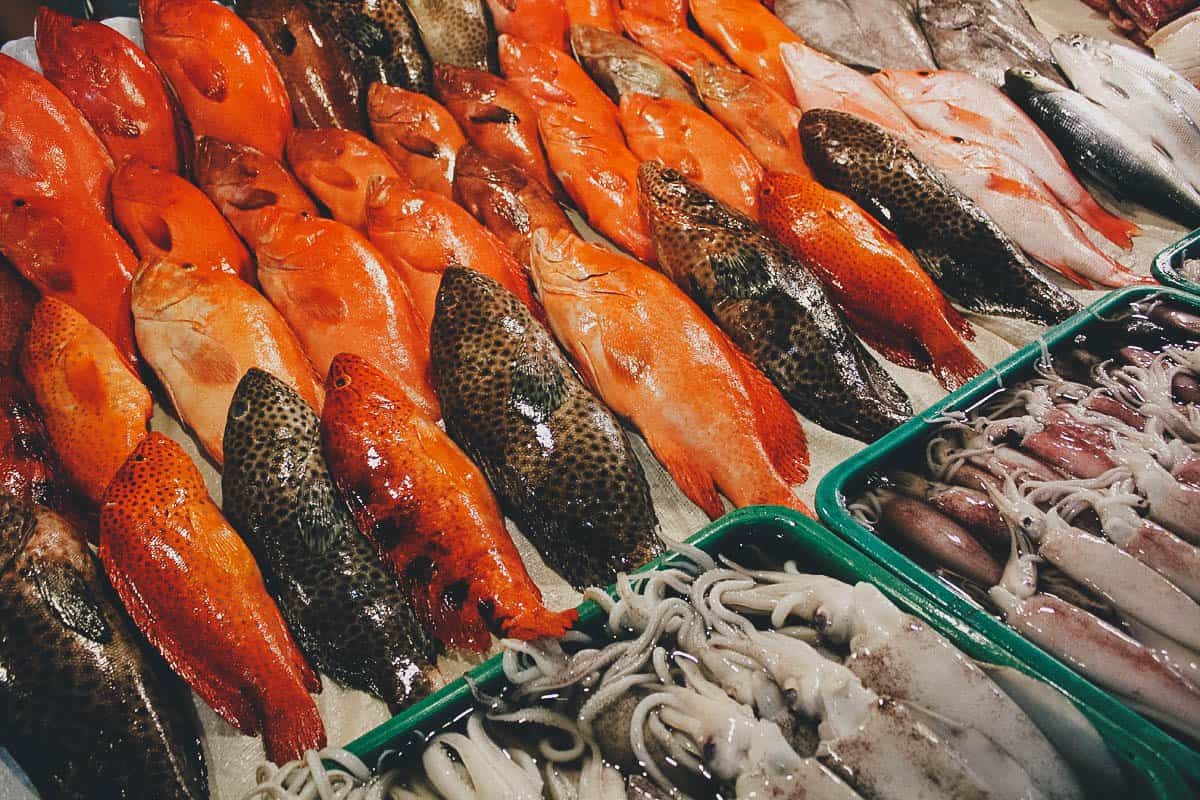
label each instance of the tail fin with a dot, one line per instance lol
(953, 365)
(457, 624)
(776, 422)
(538, 622)
(291, 723)
(1117, 230)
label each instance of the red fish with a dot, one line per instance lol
(597, 13)
(750, 36)
(17, 299)
(419, 134)
(671, 12)
(429, 511)
(678, 46)
(337, 166)
(191, 585)
(543, 21)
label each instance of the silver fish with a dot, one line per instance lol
(873, 34)
(984, 37)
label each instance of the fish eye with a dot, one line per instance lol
(238, 409)
(342, 381)
(19, 203)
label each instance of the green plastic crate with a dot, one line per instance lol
(794, 536)
(1167, 263)
(846, 480)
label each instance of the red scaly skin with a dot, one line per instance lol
(750, 36)
(597, 13)
(670, 12)
(419, 134)
(543, 21)
(337, 166)
(678, 46)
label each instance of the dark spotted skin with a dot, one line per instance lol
(86, 707)
(556, 457)
(457, 32)
(620, 67)
(771, 305)
(347, 613)
(965, 253)
(381, 39)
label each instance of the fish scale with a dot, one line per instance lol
(381, 40)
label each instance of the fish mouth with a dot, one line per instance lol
(660, 183)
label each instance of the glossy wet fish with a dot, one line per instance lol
(749, 35)
(598, 13)
(766, 124)
(457, 32)
(770, 305)
(337, 166)
(543, 21)
(277, 492)
(381, 39)
(621, 68)
(820, 82)
(984, 38)
(17, 299)
(419, 134)
(969, 258)
(557, 459)
(871, 34)
(671, 12)
(679, 47)
(1113, 153)
(88, 710)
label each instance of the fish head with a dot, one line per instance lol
(668, 198)
(452, 81)
(239, 178)
(564, 264)
(32, 226)
(354, 388)
(721, 83)
(480, 178)
(157, 475)
(393, 204)
(471, 306)
(1023, 83)
(826, 134)
(138, 181)
(17, 523)
(169, 289)
(589, 42)
(905, 85)
(263, 410)
(1083, 60)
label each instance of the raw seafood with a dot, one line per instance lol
(677, 46)
(984, 38)
(820, 82)
(337, 166)
(542, 21)
(622, 68)
(749, 35)
(381, 39)
(457, 32)
(871, 34)
(597, 13)
(418, 133)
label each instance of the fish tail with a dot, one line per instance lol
(457, 627)
(537, 622)
(779, 496)
(291, 724)
(777, 425)
(957, 321)
(1117, 230)
(954, 364)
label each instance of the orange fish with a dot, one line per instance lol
(164, 216)
(495, 117)
(96, 409)
(684, 138)
(543, 21)
(887, 297)
(243, 183)
(429, 511)
(712, 419)
(508, 202)
(336, 166)
(225, 79)
(597, 13)
(422, 233)
(671, 12)
(47, 148)
(201, 330)
(116, 86)
(72, 253)
(549, 78)
(750, 36)
(767, 124)
(418, 133)
(190, 584)
(341, 295)
(17, 299)
(677, 46)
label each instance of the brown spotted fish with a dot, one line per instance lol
(457, 32)
(381, 39)
(621, 67)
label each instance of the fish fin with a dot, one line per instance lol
(969, 118)
(291, 723)
(318, 523)
(1069, 274)
(419, 145)
(494, 114)
(538, 384)
(693, 481)
(206, 74)
(777, 425)
(67, 594)
(1116, 229)
(330, 173)
(538, 622)
(1013, 188)
(896, 346)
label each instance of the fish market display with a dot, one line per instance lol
(771, 306)
(1142, 20)
(114, 85)
(429, 512)
(192, 587)
(871, 34)
(222, 74)
(338, 167)
(714, 420)
(95, 408)
(672, 12)
(418, 133)
(558, 460)
(322, 83)
(961, 248)
(749, 35)
(820, 82)
(984, 38)
(542, 21)
(676, 46)
(349, 616)
(381, 39)
(88, 710)
(457, 32)
(597, 13)
(622, 68)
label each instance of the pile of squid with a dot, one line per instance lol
(1069, 505)
(714, 680)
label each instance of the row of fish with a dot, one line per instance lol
(1067, 504)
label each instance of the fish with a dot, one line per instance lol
(1184, 94)
(550, 78)
(30, 469)
(713, 420)
(95, 408)
(381, 39)
(191, 586)
(557, 459)
(820, 82)
(868, 34)
(495, 117)
(972, 261)
(1114, 154)
(771, 306)
(622, 68)
(243, 182)
(756, 114)
(277, 492)
(337, 166)
(17, 299)
(506, 200)
(89, 711)
(47, 147)
(115, 86)
(749, 35)
(419, 134)
(166, 216)
(1133, 98)
(599, 173)
(681, 49)
(671, 12)
(222, 74)
(597, 13)
(957, 104)
(72, 253)
(878, 285)
(322, 83)
(422, 234)
(691, 142)
(340, 294)
(984, 38)
(457, 32)
(542, 21)
(200, 330)
(429, 512)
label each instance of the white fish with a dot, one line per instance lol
(864, 33)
